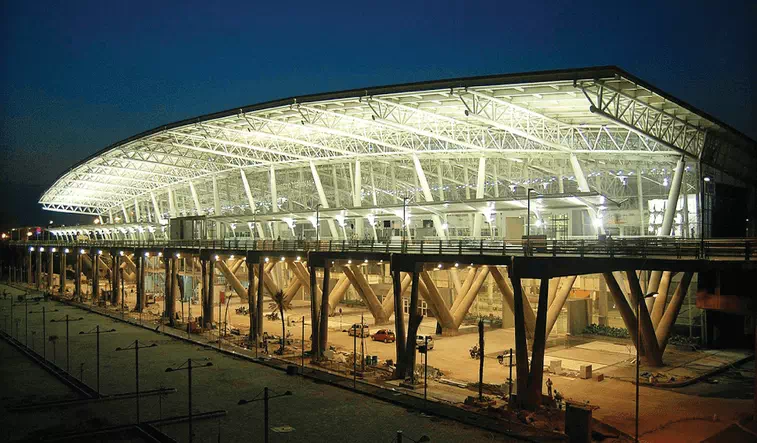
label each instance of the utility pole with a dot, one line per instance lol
(136, 348)
(97, 333)
(68, 348)
(189, 368)
(266, 398)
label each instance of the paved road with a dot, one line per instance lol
(316, 411)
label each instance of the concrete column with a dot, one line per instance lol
(62, 273)
(557, 305)
(521, 349)
(38, 277)
(662, 297)
(603, 319)
(412, 327)
(29, 279)
(314, 314)
(366, 293)
(141, 273)
(399, 321)
(470, 296)
(170, 300)
(653, 354)
(251, 302)
(323, 336)
(259, 299)
(232, 279)
(435, 299)
(204, 292)
(629, 318)
(421, 176)
(509, 297)
(50, 262)
(532, 399)
(77, 276)
(480, 184)
(665, 327)
(96, 279)
(322, 199)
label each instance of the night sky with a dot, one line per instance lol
(78, 76)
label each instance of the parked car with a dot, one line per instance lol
(359, 330)
(420, 340)
(385, 335)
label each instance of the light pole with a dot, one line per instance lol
(265, 399)
(639, 300)
(317, 224)
(68, 349)
(97, 333)
(136, 348)
(189, 368)
(703, 182)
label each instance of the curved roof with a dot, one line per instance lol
(540, 118)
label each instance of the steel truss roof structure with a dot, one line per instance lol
(561, 132)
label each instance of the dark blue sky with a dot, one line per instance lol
(78, 76)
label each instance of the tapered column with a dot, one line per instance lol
(399, 321)
(211, 291)
(662, 297)
(96, 280)
(532, 399)
(259, 300)
(251, 305)
(653, 354)
(140, 274)
(665, 327)
(559, 302)
(62, 273)
(77, 276)
(204, 292)
(323, 337)
(50, 261)
(521, 349)
(413, 323)
(314, 314)
(626, 312)
(38, 274)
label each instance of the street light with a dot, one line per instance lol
(136, 349)
(265, 399)
(639, 300)
(189, 368)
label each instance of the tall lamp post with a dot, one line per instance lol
(187, 366)
(265, 399)
(135, 346)
(638, 361)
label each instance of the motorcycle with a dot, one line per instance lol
(475, 353)
(243, 310)
(272, 316)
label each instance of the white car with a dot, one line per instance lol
(420, 340)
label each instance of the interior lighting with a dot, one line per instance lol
(457, 265)
(265, 259)
(66, 250)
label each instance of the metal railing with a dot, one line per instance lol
(636, 247)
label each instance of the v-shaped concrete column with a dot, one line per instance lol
(508, 295)
(559, 302)
(532, 398)
(388, 304)
(653, 354)
(231, 278)
(665, 327)
(366, 292)
(470, 296)
(431, 294)
(662, 297)
(464, 289)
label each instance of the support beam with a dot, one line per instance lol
(532, 399)
(399, 322)
(171, 204)
(665, 327)
(267, 281)
(559, 302)
(427, 195)
(414, 321)
(662, 297)
(626, 312)
(509, 296)
(388, 304)
(653, 354)
(336, 295)
(322, 199)
(669, 216)
(216, 199)
(323, 335)
(156, 208)
(366, 293)
(232, 279)
(252, 305)
(464, 289)
(480, 186)
(314, 314)
(259, 298)
(470, 296)
(521, 349)
(434, 299)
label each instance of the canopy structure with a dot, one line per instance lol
(450, 150)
